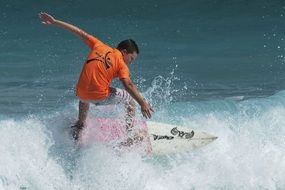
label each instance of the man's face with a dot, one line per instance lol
(129, 57)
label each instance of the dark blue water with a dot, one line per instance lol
(217, 49)
(216, 66)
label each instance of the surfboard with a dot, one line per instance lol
(159, 138)
(167, 139)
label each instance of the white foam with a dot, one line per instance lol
(25, 160)
(249, 153)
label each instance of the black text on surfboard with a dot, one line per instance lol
(159, 137)
(175, 131)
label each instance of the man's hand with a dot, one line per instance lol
(46, 18)
(146, 110)
(49, 20)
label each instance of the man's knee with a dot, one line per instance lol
(132, 103)
(131, 106)
(83, 105)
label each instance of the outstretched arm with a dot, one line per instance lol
(146, 109)
(49, 20)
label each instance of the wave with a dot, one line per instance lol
(38, 153)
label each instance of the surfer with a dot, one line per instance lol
(103, 64)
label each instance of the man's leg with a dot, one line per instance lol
(121, 96)
(136, 135)
(82, 115)
(130, 114)
(83, 112)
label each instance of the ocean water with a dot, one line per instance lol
(216, 66)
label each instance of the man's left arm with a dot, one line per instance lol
(131, 88)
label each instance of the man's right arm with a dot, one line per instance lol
(49, 20)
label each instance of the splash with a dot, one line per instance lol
(163, 89)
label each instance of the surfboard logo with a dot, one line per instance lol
(174, 131)
(159, 137)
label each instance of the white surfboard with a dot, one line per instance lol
(167, 139)
(162, 138)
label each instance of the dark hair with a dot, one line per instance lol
(129, 45)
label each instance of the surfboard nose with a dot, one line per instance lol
(210, 137)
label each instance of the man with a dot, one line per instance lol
(102, 66)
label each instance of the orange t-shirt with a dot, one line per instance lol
(103, 64)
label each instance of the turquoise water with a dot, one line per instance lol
(216, 66)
